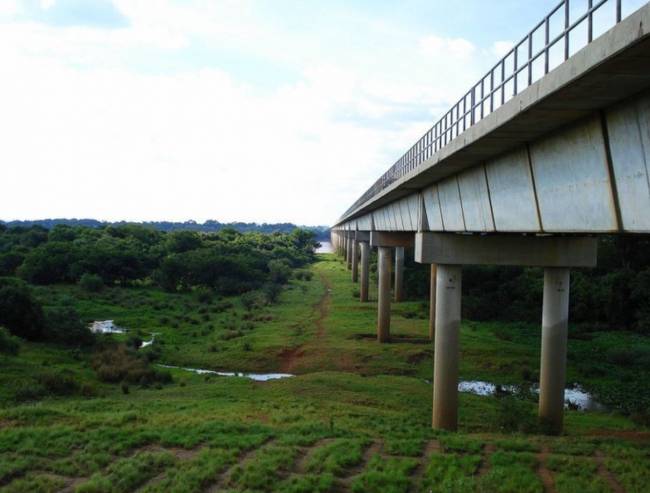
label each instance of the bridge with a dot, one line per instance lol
(550, 149)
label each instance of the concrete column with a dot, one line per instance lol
(348, 253)
(432, 303)
(355, 261)
(399, 273)
(445, 365)
(365, 271)
(555, 317)
(383, 300)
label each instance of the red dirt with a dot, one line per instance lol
(604, 473)
(543, 473)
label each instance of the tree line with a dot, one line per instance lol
(223, 263)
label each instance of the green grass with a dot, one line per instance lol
(349, 391)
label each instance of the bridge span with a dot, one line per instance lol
(550, 149)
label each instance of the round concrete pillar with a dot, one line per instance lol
(445, 365)
(555, 318)
(432, 302)
(348, 253)
(399, 273)
(383, 295)
(365, 271)
(355, 261)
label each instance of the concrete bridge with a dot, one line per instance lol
(550, 149)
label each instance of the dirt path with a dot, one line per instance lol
(432, 447)
(290, 357)
(543, 472)
(604, 473)
(242, 460)
(345, 484)
(488, 450)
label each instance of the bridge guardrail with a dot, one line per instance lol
(507, 78)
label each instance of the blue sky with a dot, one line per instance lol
(250, 110)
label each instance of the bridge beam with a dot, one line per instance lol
(555, 254)
(399, 274)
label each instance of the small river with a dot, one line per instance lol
(325, 247)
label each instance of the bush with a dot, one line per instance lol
(279, 271)
(204, 295)
(515, 415)
(251, 300)
(63, 324)
(272, 292)
(116, 363)
(91, 283)
(61, 383)
(19, 310)
(8, 343)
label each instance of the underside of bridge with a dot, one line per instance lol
(532, 183)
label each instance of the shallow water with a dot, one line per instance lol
(325, 247)
(575, 396)
(258, 377)
(105, 327)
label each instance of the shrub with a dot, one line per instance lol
(63, 324)
(279, 271)
(272, 292)
(59, 383)
(19, 311)
(515, 415)
(8, 343)
(115, 363)
(91, 283)
(204, 295)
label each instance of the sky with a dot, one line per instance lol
(234, 110)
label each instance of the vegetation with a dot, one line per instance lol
(356, 417)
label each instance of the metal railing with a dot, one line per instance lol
(506, 79)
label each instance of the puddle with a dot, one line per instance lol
(258, 377)
(150, 341)
(105, 327)
(575, 396)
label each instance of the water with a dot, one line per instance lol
(105, 327)
(575, 396)
(149, 342)
(258, 377)
(325, 247)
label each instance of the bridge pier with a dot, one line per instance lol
(555, 254)
(385, 242)
(432, 302)
(555, 317)
(363, 238)
(447, 337)
(399, 274)
(383, 294)
(355, 260)
(348, 251)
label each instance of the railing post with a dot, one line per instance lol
(566, 29)
(547, 33)
(530, 59)
(619, 11)
(590, 23)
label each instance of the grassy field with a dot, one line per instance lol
(356, 417)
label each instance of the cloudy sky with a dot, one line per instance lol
(252, 110)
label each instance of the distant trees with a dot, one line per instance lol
(224, 263)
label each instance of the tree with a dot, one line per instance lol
(19, 311)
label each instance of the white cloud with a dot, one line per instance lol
(445, 47)
(501, 48)
(87, 134)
